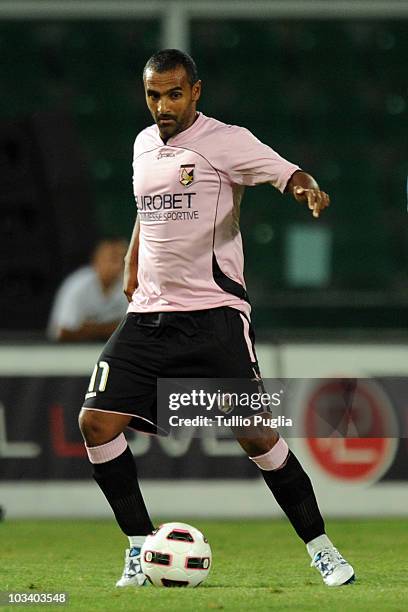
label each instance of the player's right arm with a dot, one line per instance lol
(251, 162)
(131, 263)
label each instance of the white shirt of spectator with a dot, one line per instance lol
(80, 298)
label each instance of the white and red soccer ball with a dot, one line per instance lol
(176, 555)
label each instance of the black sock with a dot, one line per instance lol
(118, 480)
(294, 493)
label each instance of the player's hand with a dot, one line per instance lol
(316, 200)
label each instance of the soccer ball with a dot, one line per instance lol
(176, 555)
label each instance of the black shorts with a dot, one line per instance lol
(213, 343)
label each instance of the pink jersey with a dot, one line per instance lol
(188, 194)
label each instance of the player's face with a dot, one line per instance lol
(171, 100)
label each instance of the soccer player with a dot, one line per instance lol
(189, 310)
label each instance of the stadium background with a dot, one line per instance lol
(322, 82)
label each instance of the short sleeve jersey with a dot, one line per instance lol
(188, 194)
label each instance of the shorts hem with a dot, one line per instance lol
(160, 430)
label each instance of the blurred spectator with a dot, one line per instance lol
(90, 302)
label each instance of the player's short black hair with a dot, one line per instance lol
(168, 59)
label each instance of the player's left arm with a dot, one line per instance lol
(304, 188)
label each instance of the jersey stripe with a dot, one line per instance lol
(247, 337)
(226, 283)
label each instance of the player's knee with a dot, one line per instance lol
(255, 446)
(92, 429)
(98, 427)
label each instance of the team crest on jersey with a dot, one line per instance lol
(186, 176)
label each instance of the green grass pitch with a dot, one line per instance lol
(257, 565)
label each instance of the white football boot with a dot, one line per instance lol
(132, 573)
(334, 569)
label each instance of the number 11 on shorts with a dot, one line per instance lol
(102, 367)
